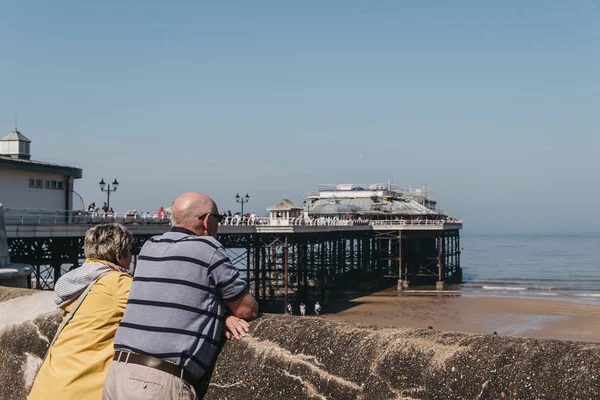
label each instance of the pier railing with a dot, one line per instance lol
(14, 216)
(23, 216)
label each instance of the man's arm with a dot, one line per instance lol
(232, 288)
(245, 308)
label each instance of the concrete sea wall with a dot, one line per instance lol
(28, 321)
(311, 358)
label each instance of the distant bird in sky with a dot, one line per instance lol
(360, 156)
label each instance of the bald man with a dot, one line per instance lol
(175, 316)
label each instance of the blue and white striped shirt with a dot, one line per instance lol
(176, 305)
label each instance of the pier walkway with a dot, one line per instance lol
(28, 223)
(309, 257)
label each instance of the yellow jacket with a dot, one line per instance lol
(76, 365)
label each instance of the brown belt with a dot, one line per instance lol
(153, 362)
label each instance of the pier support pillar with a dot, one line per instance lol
(11, 274)
(440, 285)
(400, 285)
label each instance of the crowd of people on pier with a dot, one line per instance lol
(163, 216)
(105, 211)
(236, 219)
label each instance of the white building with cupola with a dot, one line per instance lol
(30, 184)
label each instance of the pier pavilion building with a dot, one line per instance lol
(29, 184)
(372, 202)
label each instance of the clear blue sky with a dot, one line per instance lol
(494, 105)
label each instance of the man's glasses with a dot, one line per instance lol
(218, 217)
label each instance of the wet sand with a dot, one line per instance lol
(539, 318)
(7, 293)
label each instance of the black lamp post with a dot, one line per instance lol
(115, 185)
(307, 204)
(242, 200)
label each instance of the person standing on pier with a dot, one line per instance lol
(290, 309)
(317, 308)
(169, 337)
(302, 309)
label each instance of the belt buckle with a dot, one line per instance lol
(126, 358)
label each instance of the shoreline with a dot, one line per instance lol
(545, 318)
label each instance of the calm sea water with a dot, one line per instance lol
(543, 266)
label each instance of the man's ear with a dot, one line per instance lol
(204, 222)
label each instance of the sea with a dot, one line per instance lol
(550, 266)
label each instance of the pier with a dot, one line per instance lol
(314, 256)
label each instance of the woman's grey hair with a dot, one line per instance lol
(105, 241)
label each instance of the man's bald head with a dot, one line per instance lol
(188, 207)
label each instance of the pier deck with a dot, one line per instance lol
(22, 230)
(292, 260)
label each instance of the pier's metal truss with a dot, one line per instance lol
(302, 267)
(291, 267)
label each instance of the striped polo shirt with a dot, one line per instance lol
(177, 301)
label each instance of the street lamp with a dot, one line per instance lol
(242, 200)
(115, 185)
(307, 205)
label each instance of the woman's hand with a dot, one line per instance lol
(236, 327)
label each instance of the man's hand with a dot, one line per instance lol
(236, 327)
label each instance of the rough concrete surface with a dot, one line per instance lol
(310, 358)
(22, 348)
(25, 308)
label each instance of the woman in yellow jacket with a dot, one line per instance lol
(76, 365)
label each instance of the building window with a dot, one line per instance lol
(51, 184)
(48, 184)
(35, 183)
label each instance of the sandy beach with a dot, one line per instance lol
(540, 318)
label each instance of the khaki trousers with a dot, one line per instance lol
(125, 381)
